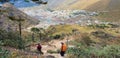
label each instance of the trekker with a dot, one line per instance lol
(39, 47)
(63, 49)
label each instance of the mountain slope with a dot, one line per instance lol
(105, 5)
(109, 9)
(7, 10)
(70, 4)
(84, 4)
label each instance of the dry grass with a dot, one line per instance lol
(82, 4)
(110, 16)
(65, 29)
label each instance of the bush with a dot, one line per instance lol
(4, 53)
(11, 38)
(86, 39)
(101, 26)
(56, 36)
(102, 35)
(51, 51)
(109, 51)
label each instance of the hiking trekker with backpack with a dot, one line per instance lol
(39, 48)
(63, 49)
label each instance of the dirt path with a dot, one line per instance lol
(53, 45)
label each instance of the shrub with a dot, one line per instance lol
(102, 35)
(11, 38)
(109, 51)
(57, 36)
(86, 39)
(101, 26)
(4, 53)
(51, 51)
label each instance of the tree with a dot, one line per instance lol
(50, 31)
(34, 30)
(38, 31)
(19, 20)
(41, 31)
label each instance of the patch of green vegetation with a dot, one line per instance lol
(89, 46)
(108, 51)
(102, 35)
(66, 29)
(51, 51)
(103, 26)
(11, 39)
(4, 53)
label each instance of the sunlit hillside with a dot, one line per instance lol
(110, 8)
(59, 28)
(105, 5)
(85, 4)
(82, 4)
(71, 4)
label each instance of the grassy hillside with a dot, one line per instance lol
(82, 4)
(94, 5)
(104, 5)
(67, 29)
(109, 9)
(112, 16)
(70, 4)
